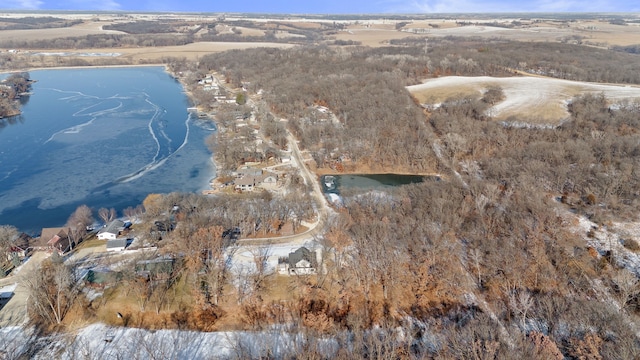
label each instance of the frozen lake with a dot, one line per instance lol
(101, 137)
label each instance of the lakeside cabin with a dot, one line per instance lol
(111, 230)
(53, 239)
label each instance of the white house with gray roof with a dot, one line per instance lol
(300, 262)
(111, 230)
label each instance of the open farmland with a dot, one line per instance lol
(133, 55)
(189, 51)
(591, 32)
(84, 29)
(529, 97)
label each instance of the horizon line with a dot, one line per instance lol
(316, 14)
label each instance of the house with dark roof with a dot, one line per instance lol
(53, 239)
(111, 230)
(118, 244)
(300, 262)
(250, 182)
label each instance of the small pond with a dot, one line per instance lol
(335, 183)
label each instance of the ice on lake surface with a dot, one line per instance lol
(100, 137)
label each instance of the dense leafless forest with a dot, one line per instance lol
(378, 123)
(488, 263)
(565, 61)
(490, 260)
(35, 23)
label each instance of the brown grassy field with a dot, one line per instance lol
(372, 36)
(84, 29)
(138, 55)
(189, 51)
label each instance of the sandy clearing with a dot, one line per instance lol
(530, 97)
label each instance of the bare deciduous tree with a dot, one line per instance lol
(107, 215)
(77, 224)
(521, 302)
(52, 289)
(627, 286)
(133, 213)
(260, 257)
(8, 234)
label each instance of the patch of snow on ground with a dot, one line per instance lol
(611, 238)
(14, 341)
(99, 341)
(334, 199)
(9, 288)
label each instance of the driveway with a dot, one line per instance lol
(15, 312)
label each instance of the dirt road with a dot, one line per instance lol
(324, 210)
(15, 312)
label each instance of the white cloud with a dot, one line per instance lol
(462, 6)
(445, 6)
(21, 4)
(585, 6)
(64, 4)
(93, 5)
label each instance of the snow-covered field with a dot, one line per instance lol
(528, 97)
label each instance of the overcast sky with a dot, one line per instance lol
(331, 6)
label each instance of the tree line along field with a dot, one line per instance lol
(491, 262)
